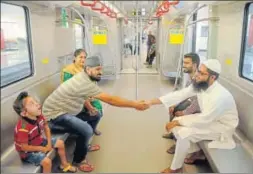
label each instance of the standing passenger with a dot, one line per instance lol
(149, 43)
(151, 53)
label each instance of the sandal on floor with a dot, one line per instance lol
(85, 168)
(97, 132)
(194, 159)
(168, 170)
(92, 148)
(168, 136)
(172, 149)
(68, 169)
(86, 162)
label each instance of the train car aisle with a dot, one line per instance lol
(131, 140)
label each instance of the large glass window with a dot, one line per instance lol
(246, 70)
(16, 57)
(201, 34)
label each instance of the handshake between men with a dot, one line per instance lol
(142, 105)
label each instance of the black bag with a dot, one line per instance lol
(180, 107)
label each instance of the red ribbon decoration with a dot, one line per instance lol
(103, 9)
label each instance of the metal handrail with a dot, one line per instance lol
(137, 50)
(200, 20)
(204, 19)
(113, 63)
(83, 20)
(164, 48)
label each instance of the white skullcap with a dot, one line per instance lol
(213, 64)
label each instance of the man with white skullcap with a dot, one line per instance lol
(63, 107)
(216, 122)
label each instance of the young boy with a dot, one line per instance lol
(29, 138)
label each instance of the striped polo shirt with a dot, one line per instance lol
(69, 97)
(31, 133)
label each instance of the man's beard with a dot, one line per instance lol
(97, 79)
(198, 86)
(188, 71)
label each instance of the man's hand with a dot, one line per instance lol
(142, 105)
(171, 125)
(45, 149)
(91, 99)
(93, 112)
(179, 113)
(171, 110)
(49, 146)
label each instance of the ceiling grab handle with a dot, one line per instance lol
(105, 10)
(165, 7)
(179, 67)
(96, 8)
(83, 3)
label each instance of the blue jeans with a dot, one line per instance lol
(74, 125)
(148, 48)
(36, 157)
(91, 120)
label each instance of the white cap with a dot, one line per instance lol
(213, 64)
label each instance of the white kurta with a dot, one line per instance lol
(218, 115)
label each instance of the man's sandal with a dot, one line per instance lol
(92, 148)
(172, 149)
(85, 166)
(168, 170)
(194, 159)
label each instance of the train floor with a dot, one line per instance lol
(129, 63)
(131, 140)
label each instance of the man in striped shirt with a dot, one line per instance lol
(63, 107)
(190, 105)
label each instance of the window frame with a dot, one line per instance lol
(29, 43)
(194, 32)
(244, 34)
(83, 34)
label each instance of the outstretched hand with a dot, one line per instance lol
(142, 105)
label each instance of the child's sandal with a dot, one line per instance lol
(68, 169)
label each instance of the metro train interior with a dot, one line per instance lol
(40, 38)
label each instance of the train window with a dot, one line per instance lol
(204, 31)
(246, 65)
(79, 35)
(16, 57)
(201, 34)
